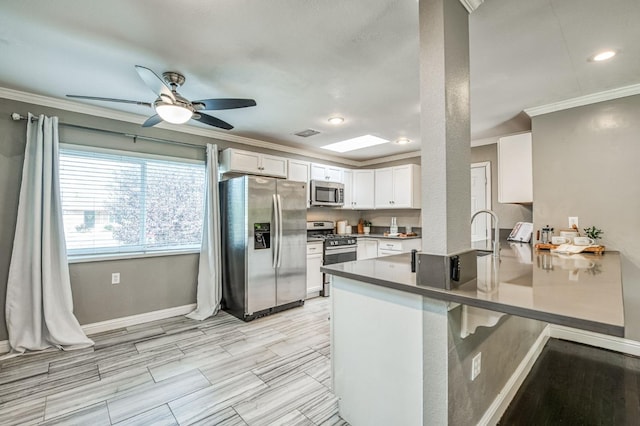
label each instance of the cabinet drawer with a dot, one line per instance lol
(390, 245)
(314, 248)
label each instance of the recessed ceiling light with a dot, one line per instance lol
(603, 56)
(336, 120)
(403, 141)
(355, 143)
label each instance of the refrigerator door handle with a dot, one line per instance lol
(280, 231)
(276, 233)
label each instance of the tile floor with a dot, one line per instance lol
(222, 371)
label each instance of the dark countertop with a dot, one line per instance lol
(385, 236)
(582, 290)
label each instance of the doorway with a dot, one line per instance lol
(481, 199)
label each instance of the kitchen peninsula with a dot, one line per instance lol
(402, 350)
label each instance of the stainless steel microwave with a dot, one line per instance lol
(325, 193)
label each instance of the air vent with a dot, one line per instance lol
(307, 133)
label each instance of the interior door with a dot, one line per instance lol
(292, 272)
(479, 201)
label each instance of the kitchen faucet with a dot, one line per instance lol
(496, 238)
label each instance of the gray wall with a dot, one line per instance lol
(585, 164)
(503, 347)
(508, 214)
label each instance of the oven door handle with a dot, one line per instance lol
(340, 250)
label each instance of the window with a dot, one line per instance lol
(116, 202)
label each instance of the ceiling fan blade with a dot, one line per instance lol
(212, 121)
(155, 83)
(211, 104)
(152, 121)
(122, 101)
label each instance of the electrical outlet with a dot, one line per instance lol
(573, 220)
(115, 278)
(476, 366)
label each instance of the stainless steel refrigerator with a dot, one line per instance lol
(264, 237)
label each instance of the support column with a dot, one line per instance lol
(445, 130)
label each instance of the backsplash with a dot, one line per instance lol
(380, 219)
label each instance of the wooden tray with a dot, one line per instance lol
(594, 249)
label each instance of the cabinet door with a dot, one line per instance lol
(402, 187)
(244, 161)
(384, 188)
(314, 276)
(273, 166)
(298, 170)
(328, 173)
(367, 248)
(348, 189)
(515, 169)
(318, 172)
(335, 174)
(363, 189)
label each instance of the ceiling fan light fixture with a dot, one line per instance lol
(175, 114)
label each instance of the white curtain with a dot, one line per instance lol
(39, 306)
(209, 279)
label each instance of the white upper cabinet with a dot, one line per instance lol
(358, 189)
(398, 187)
(298, 170)
(515, 169)
(363, 189)
(328, 173)
(347, 177)
(238, 161)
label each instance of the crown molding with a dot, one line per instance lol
(592, 98)
(397, 157)
(471, 5)
(102, 112)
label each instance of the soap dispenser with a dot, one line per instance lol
(394, 226)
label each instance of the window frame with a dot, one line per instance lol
(137, 251)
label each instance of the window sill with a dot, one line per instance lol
(123, 256)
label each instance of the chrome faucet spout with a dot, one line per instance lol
(496, 238)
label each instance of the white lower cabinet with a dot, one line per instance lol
(387, 247)
(314, 262)
(367, 248)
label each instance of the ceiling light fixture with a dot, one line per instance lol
(336, 120)
(175, 114)
(355, 143)
(403, 141)
(603, 56)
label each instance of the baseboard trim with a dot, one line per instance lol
(113, 324)
(613, 343)
(102, 326)
(502, 401)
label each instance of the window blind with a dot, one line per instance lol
(115, 202)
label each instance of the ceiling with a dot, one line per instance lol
(305, 60)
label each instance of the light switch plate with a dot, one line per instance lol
(115, 278)
(573, 220)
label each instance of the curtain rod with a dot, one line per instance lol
(17, 117)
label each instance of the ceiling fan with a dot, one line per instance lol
(172, 107)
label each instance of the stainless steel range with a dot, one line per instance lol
(335, 248)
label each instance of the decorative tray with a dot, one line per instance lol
(592, 249)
